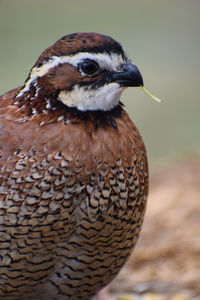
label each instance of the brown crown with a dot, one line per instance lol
(81, 42)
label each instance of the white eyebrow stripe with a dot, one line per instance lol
(109, 61)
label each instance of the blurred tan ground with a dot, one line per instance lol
(167, 257)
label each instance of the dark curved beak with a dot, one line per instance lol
(130, 76)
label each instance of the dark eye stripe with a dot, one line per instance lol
(95, 83)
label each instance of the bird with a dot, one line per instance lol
(73, 172)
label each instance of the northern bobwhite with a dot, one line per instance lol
(73, 172)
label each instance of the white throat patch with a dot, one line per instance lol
(103, 98)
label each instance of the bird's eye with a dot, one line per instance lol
(89, 67)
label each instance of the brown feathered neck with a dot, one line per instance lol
(52, 110)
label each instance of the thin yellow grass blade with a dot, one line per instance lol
(150, 95)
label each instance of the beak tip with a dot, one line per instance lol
(141, 81)
(137, 76)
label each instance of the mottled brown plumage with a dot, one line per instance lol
(73, 184)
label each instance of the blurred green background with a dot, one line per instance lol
(161, 37)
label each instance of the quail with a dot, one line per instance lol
(73, 172)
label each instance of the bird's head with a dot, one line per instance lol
(87, 71)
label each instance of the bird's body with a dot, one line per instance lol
(73, 180)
